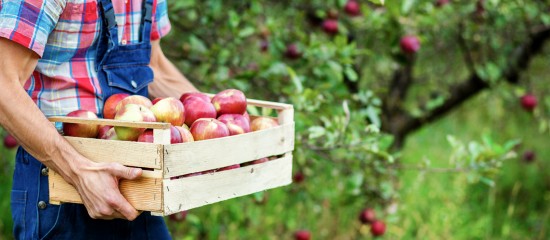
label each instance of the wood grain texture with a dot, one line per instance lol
(111, 122)
(144, 193)
(136, 154)
(191, 192)
(180, 159)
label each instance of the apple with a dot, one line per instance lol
(367, 216)
(529, 156)
(261, 123)
(10, 142)
(186, 135)
(194, 94)
(378, 228)
(245, 114)
(169, 110)
(292, 51)
(410, 44)
(134, 113)
(330, 26)
(264, 45)
(196, 107)
(298, 177)
(175, 135)
(352, 8)
(109, 108)
(192, 174)
(81, 129)
(209, 171)
(302, 235)
(146, 136)
(236, 123)
(107, 133)
(156, 100)
(441, 3)
(133, 99)
(208, 128)
(178, 217)
(229, 101)
(229, 167)
(529, 102)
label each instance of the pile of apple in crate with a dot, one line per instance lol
(196, 150)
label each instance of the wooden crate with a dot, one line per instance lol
(156, 192)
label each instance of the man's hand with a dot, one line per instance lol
(97, 183)
(98, 187)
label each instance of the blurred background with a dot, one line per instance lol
(415, 119)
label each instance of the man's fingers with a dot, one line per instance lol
(125, 172)
(126, 209)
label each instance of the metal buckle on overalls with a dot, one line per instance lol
(148, 12)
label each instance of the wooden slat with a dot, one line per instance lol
(111, 122)
(180, 159)
(191, 192)
(144, 193)
(145, 155)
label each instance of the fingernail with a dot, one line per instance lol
(135, 172)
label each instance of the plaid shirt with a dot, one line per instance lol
(62, 33)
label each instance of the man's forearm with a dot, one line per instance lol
(22, 118)
(169, 81)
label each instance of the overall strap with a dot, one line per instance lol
(109, 19)
(146, 21)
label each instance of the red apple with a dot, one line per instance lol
(245, 114)
(298, 177)
(208, 128)
(236, 123)
(194, 94)
(410, 44)
(378, 228)
(156, 100)
(146, 136)
(262, 123)
(302, 235)
(367, 216)
(178, 217)
(196, 108)
(169, 110)
(229, 167)
(109, 108)
(133, 99)
(264, 45)
(352, 8)
(175, 135)
(292, 51)
(80, 129)
(330, 26)
(107, 133)
(186, 135)
(529, 156)
(229, 101)
(10, 142)
(209, 171)
(134, 113)
(529, 102)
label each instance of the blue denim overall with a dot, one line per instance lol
(120, 69)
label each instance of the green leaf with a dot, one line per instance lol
(351, 74)
(246, 32)
(296, 80)
(379, 2)
(316, 132)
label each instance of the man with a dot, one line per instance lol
(59, 56)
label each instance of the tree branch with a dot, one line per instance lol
(401, 123)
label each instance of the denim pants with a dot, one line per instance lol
(120, 69)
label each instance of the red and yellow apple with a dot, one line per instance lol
(229, 101)
(208, 128)
(200, 95)
(107, 133)
(146, 136)
(81, 129)
(134, 113)
(169, 110)
(262, 123)
(186, 135)
(236, 123)
(133, 99)
(109, 108)
(196, 108)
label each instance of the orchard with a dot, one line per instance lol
(414, 119)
